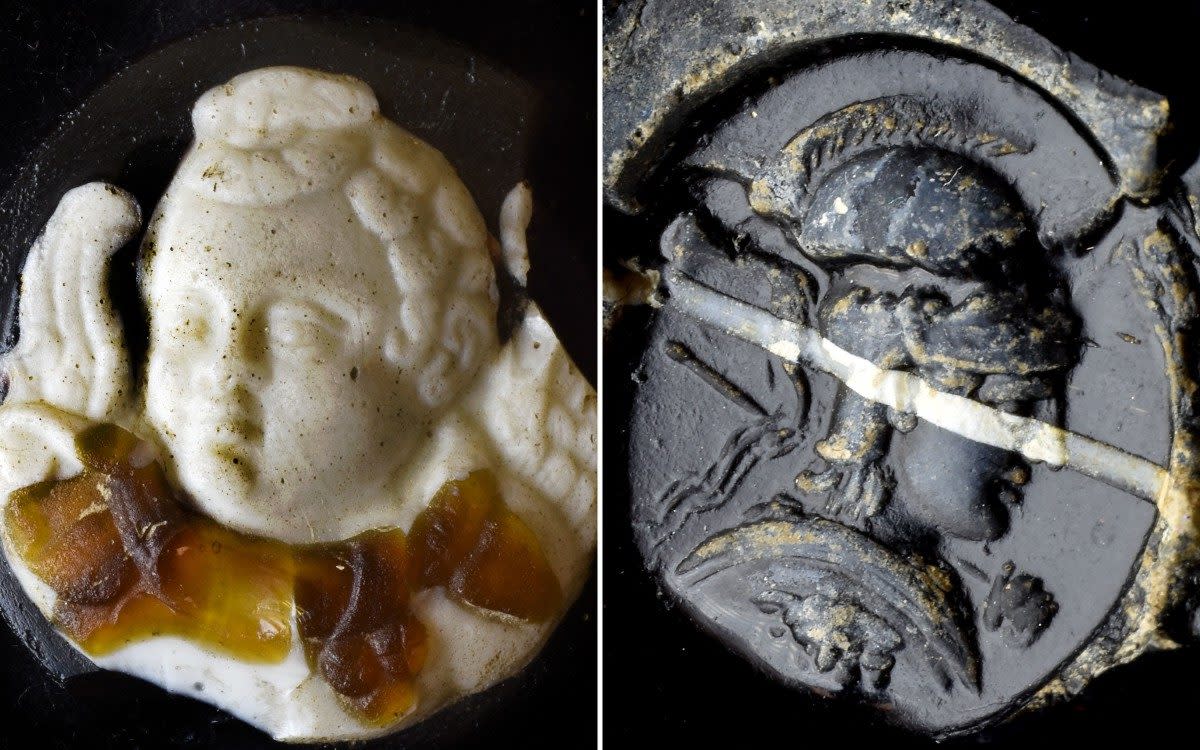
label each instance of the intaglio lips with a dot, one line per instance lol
(335, 501)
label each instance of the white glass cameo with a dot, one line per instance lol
(323, 358)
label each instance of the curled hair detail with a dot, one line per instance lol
(402, 191)
(991, 333)
(444, 326)
(270, 107)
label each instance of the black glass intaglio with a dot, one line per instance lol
(910, 418)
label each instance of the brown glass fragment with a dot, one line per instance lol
(352, 602)
(85, 563)
(470, 542)
(128, 560)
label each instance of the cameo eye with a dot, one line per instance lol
(304, 330)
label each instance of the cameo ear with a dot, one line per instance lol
(1070, 141)
(71, 353)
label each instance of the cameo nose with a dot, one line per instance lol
(238, 360)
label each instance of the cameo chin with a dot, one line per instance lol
(321, 514)
(240, 468)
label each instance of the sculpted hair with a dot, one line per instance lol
(261, 148)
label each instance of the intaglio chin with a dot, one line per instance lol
(336, 500)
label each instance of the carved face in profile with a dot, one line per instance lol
(955, 486)
(933, 270)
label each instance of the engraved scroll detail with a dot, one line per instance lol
(868, 589)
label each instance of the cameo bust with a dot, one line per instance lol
(338, 493)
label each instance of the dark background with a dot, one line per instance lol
(667, 684)
(54, 56)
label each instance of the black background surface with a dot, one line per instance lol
(54, 55)
(666, 684)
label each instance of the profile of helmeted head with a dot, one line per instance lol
(934, 270)
(319, 289)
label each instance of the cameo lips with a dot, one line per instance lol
(128, 561)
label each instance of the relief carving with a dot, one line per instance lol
(905, 306)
